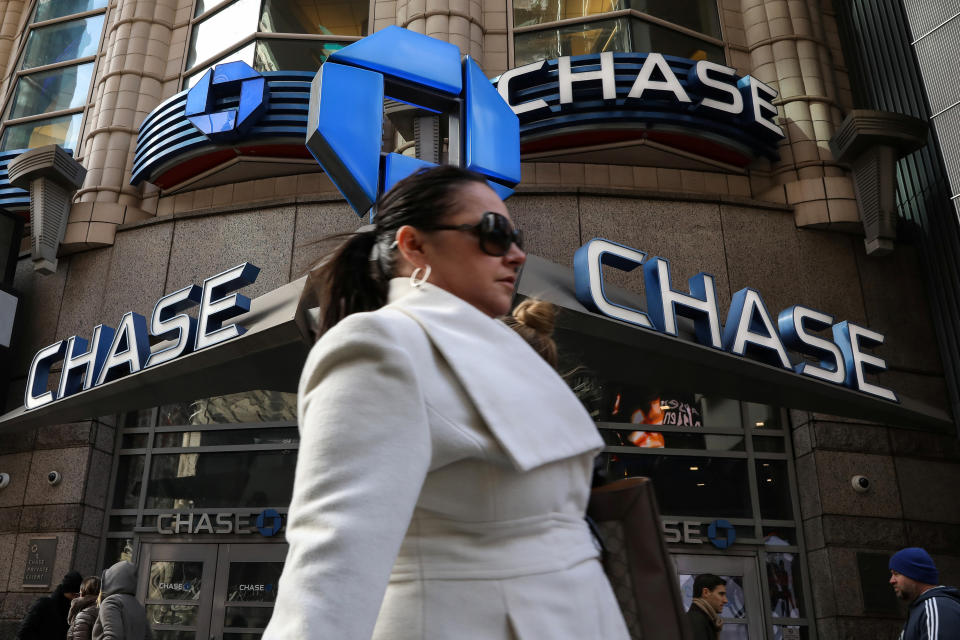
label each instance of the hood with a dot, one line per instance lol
(120, 578)
(950, 592)
(79, 604)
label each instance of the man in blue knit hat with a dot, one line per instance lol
(934, 610)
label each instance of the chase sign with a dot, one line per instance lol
(345, 122)
(227, 125)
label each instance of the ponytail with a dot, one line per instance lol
(348, 281)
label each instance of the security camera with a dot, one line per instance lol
(861, 484)
(4, 480)
(54, 478)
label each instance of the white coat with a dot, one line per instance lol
(443, 473)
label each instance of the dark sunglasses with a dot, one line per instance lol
(494, 231)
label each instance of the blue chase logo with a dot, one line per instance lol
(345, 123)
(721, 534)
(227, 83)
(268, 523)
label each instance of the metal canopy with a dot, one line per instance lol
(268, 356)
(271, 354)
(668, 362)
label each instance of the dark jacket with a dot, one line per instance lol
(46, 619)
(83, 615)
(935, 615)
(122, 617)
(700, 624)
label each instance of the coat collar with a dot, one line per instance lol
(525, 404)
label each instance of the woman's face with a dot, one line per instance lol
(458, 263)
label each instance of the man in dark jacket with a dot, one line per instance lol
(709, 596)
(47, 617)
(934, 610)
(122, 617)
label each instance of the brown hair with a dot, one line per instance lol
(355, 276)
(90, 586)
(534, 321)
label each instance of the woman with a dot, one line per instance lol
(444, 467)
(84, 610)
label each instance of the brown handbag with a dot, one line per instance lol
(636, 560)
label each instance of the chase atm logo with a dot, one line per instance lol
(229, 82)
(345, 124)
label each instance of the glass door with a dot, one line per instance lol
(246, 589)
(176, 586)
(743, 614)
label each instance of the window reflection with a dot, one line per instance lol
(572, 40)
(699, 15)
(529, 12)
(651, 37)
(50, 9)
(62, 130)
(62, 41)
(320, 17)
(249, 406)
(293, 55)
(126, 492)
(214, 34)
(54, 90)
(782, 578)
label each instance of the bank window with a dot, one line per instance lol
(306, 33)
(548, 29)
(233, 453)
(54, 75)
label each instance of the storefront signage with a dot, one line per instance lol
(267, 523)
(749, 329)
(112, 353)
(228, 80)
(41, 554)
(720, 533)
(584, 100)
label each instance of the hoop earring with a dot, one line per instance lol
(416, 280)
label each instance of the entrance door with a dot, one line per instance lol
(209, 591)
(743, 615)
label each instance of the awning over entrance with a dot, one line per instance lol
(268, 356)
(272, 352)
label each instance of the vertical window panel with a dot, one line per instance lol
(219, 31)
(651, 37)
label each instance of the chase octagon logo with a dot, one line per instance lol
(345, 122)
(224, 82)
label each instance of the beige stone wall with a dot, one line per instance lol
(142, 55)
(12, 20)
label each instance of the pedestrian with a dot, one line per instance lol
(121, 617)
(84, 610)
(709, 597)
(47, 617)
(934, 612)
(444, 467)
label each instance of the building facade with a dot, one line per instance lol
(748, 150)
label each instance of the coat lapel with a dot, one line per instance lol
(524, 402)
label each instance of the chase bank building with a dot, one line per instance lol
(742, 208)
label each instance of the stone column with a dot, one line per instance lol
(457, 21)
(789, 50)
(131, 81)
(11, 18)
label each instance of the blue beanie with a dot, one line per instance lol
(916, 564)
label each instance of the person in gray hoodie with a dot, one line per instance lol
(122, 617)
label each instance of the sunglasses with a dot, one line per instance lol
(494, 231)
